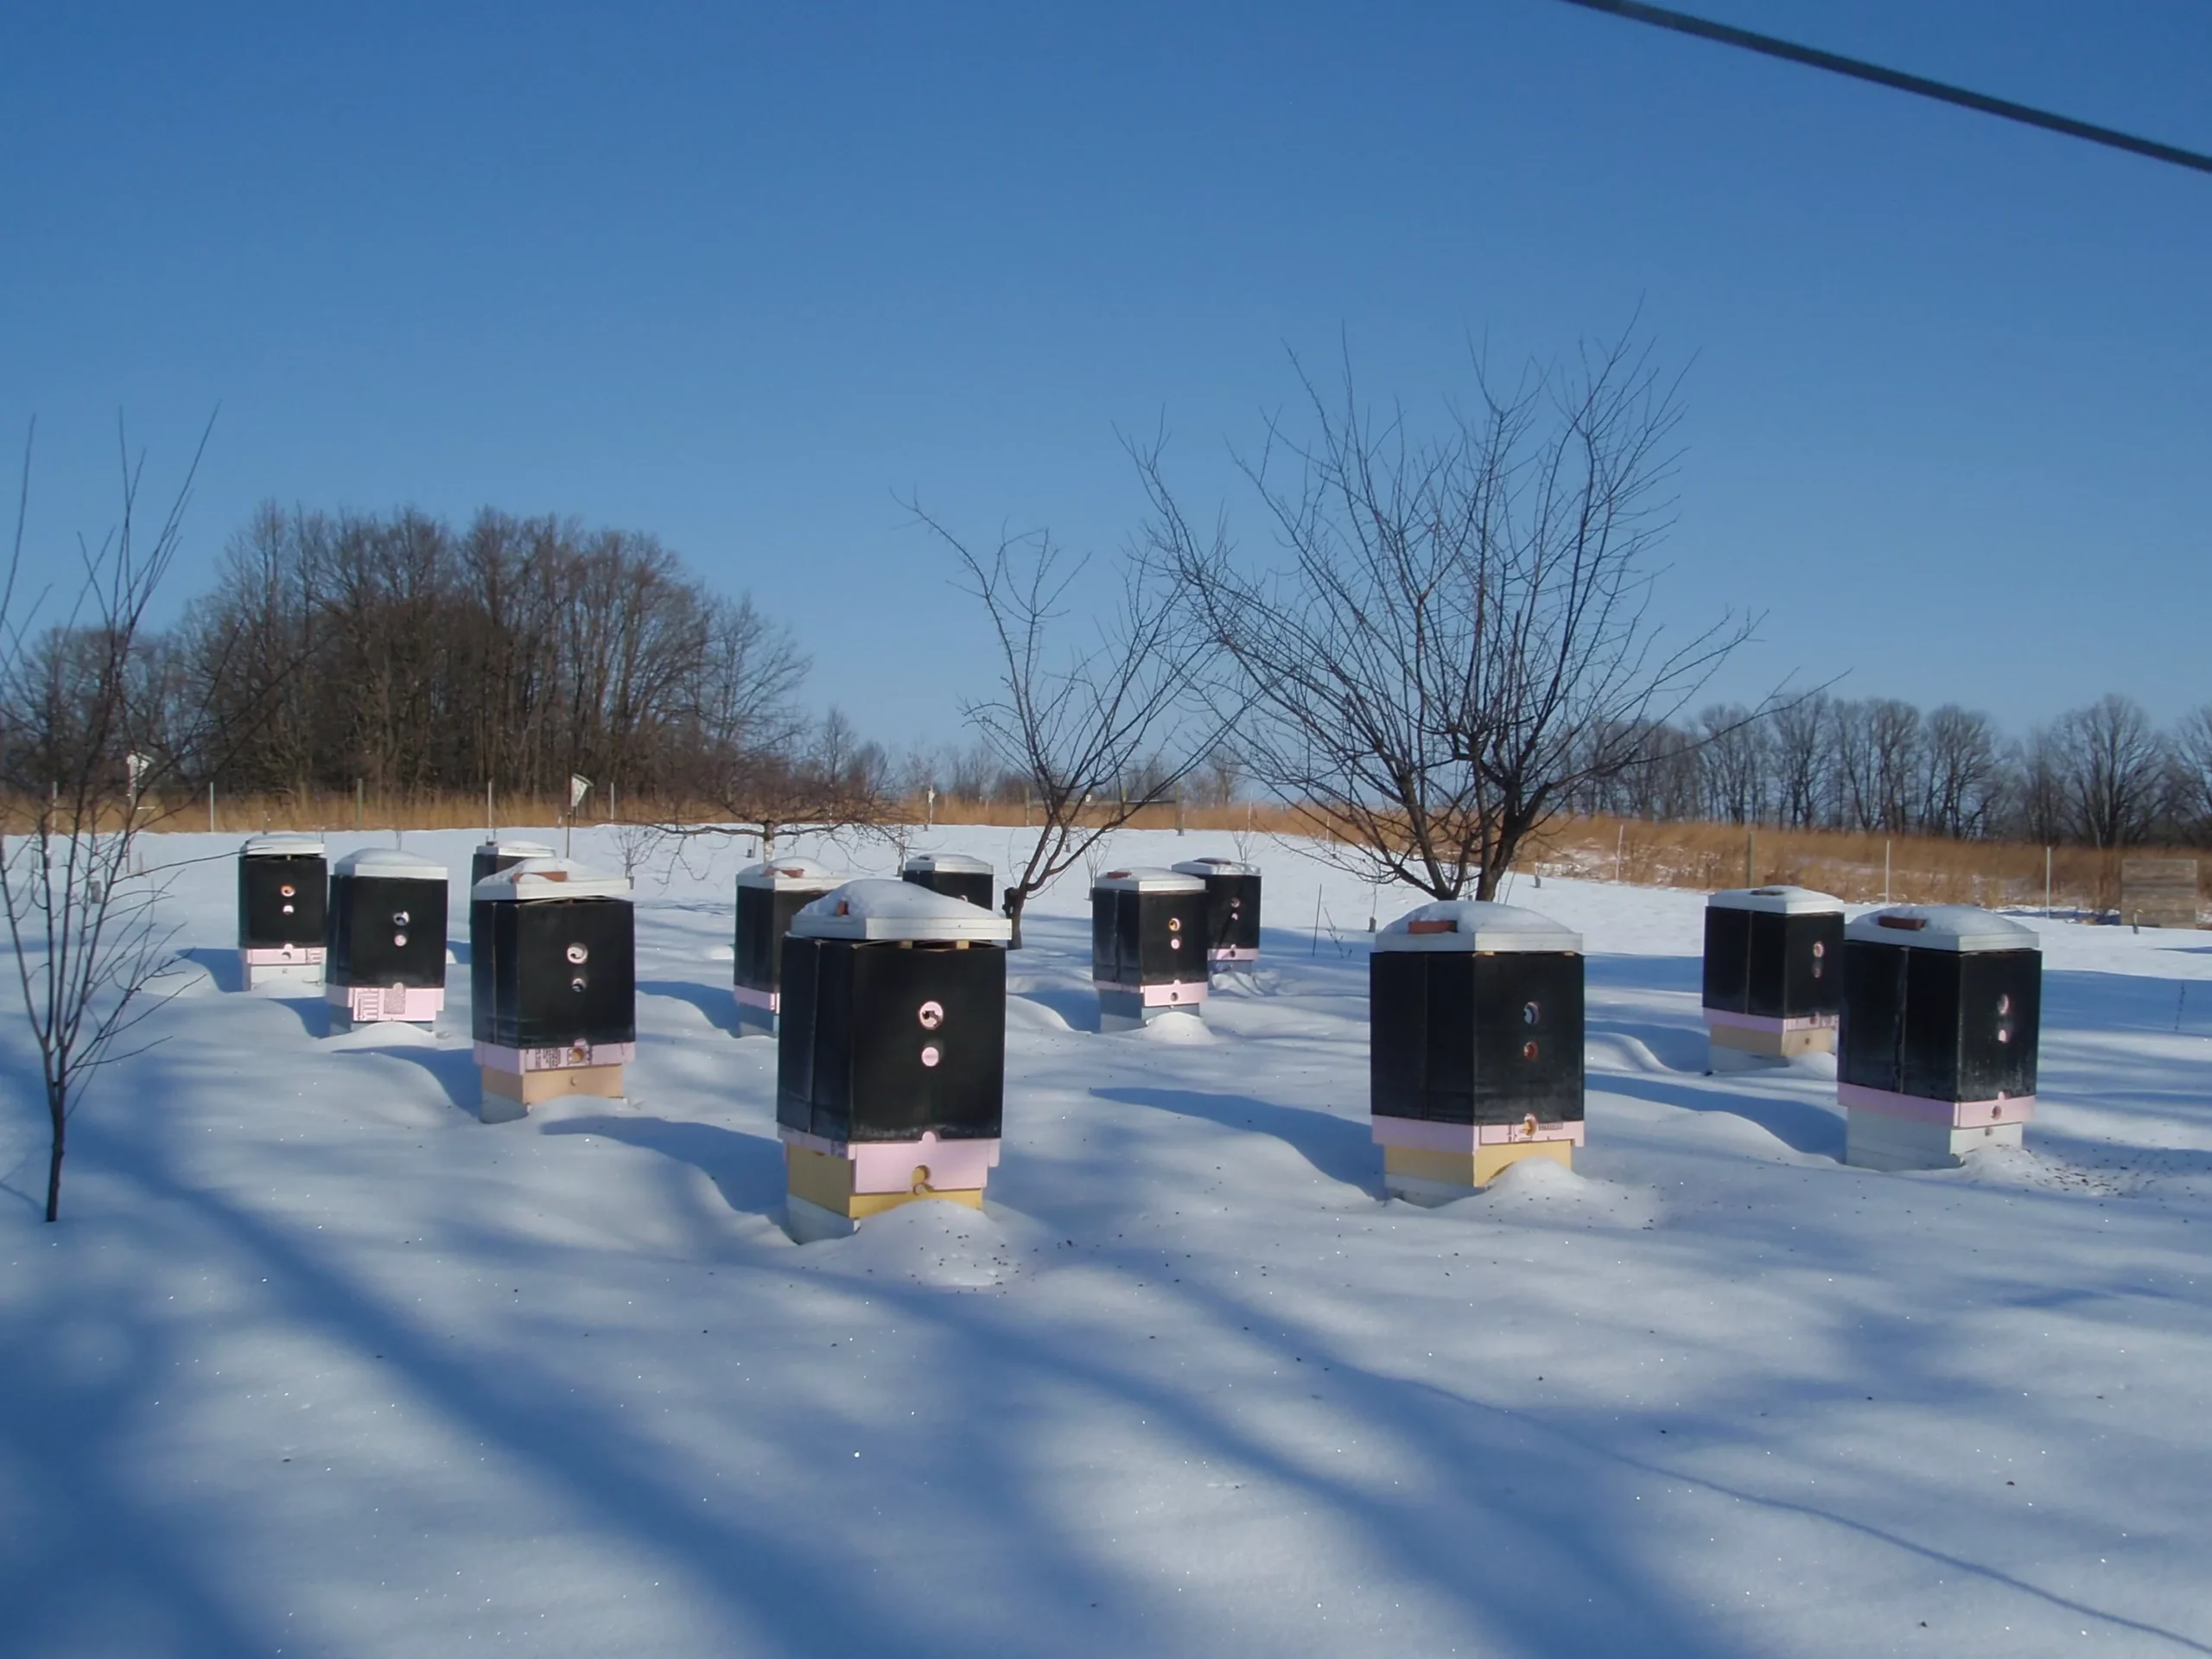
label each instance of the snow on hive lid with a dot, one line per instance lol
(1942, 927)
(1147, 879)
(1777, 901)
(548, 878)
(501, 848)
(947, 864)
(1470, 924)
(390, 864)
(788, 873)
(877, 908)
(283, 844)
(1205, 867)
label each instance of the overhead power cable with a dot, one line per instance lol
(1859, 69)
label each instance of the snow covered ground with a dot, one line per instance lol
(317, 1364)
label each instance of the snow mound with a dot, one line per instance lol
(1175, 1028)
(182, 976)
(1537, 1188)
(382, 1034)
(721, 953)
(2026, 1170)
(1617, 1052)
(1023, 1013)
(946, 1246)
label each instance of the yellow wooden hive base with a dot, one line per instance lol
(822, 1179)
(1467, 1171)
(528, 1088)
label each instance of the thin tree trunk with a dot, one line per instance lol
(56, 1111)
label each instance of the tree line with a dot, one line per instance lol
(2103, 775)
(400, 654)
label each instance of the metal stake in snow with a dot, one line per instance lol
(1316, 950)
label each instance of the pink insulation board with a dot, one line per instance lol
(1946, 1113)
(493, 1057)
(1180, 993)
(1762, 1022)
(367, 1003)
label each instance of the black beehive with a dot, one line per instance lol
(1774, 953)
(1475, 1016)
(1232, 906)
(897, 1028)
(1147, 927)
(552, 958)
(953, 874)
(1941, 1003)
(387, 920)
(768, 897)
(493, 857)
(281, 893)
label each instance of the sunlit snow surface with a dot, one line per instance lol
(316, 1364)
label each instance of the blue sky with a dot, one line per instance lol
(740, 276)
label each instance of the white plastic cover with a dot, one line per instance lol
(548, 878)
(1205, 867)
(1942, 927)
(788, 873)
(1146, 880)
(1468, 925)
(876, 908)
(391, 864)
(947, 864)
(1779, 901)
(283, 844)
(516, 849)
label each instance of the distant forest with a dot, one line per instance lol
(415, 659)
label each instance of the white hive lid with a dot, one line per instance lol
(877, 908)
(516, 849)
(1469, 925)
(1148, 880)
(1205, 867)
(283, 844)
(1777, 901)
(947, 864)
(786, 873)
(390, 864)
(548, 878)
(1942, 927)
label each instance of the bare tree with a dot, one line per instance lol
(2112, 764)
(1801, 731)
(1463, 640)
(826, 782)
(1736, 758)
(1961, 773)
(88, 942)
(1100, 729)
(2191, 791)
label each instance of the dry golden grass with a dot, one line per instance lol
(1696, 856)
(1919, 869)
